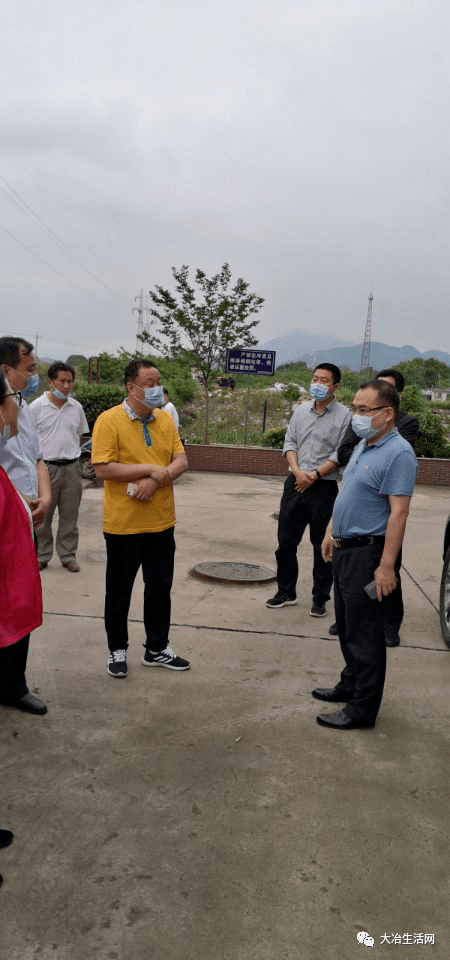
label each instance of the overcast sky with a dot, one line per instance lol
(306, 142)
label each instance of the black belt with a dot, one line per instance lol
(61, 463)
(355, 541)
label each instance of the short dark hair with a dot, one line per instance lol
(132, 369)
(56, 368)
(332, 368)
(2, 386)
(10, 350)
(396, 375)
(386, 392)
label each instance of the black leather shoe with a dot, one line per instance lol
(331, 695)
(340, 721)
(392, 639)
(6, 837)
(333, 631)
(30, 704)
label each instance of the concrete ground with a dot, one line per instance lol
(205, 815)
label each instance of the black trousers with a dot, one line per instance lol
(155, 553)
(360, 622)
(13, 662)
(298, 510)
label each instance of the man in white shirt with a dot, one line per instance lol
(170, 407)
(60, 422)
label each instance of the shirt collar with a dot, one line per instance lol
(133, 415)
(379, 443)
(330, 406)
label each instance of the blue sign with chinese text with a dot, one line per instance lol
(251, 361)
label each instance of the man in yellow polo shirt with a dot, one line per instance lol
(138, 454)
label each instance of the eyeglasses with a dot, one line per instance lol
(363, 410)
(17, 397)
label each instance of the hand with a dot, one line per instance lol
(145, 488)
(160, 474)
(327, 547)
(303, 480)
(385, 580)
(38, 508)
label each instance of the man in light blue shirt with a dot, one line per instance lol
(363, 540)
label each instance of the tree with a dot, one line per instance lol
(203, 322)
(432, 440)
(425, 373)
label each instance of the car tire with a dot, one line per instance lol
(87, 470)
(444, 599)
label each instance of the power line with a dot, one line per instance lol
(31, 214)
(45, 336)
(49, 199)
(49, 265)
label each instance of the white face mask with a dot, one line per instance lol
(5, 433)
(363, 428)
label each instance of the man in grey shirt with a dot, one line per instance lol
(312, 439)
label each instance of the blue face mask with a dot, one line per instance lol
(319, 391)
(363, 428)
(153, 397)
(57, 393)
(31, 386)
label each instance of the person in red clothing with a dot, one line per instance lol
(20, 582)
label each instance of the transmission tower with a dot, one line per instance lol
(365, 359)
(143, 313)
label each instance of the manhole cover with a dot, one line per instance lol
(230, 572)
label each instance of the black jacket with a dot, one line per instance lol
(407, 426)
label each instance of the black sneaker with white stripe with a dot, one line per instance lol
(281, 600)
(117, 663)
(164, 658)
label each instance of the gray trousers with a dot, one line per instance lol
(66, 495)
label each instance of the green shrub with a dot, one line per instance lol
(274, 437)
(431, 441)
(95, 398)
(291, 392)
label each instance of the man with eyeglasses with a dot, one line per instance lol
(22, 457)
(363, 540)
(408, 427)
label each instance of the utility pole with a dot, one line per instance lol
(365, 359)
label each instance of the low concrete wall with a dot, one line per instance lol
(221, 458)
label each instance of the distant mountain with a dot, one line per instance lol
(292, 346)
(381, 356)
(312, 349)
